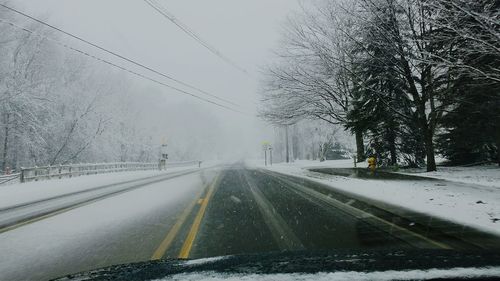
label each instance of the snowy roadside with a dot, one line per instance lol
(488, 175)
(464, 203)
(19, 193)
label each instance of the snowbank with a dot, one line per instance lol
(488, 175)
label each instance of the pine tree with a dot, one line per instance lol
(469, 33)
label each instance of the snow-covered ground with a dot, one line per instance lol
(469, 196)
(488, 175)
(121, 229)
(26, 192)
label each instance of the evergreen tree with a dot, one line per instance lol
(471, 131)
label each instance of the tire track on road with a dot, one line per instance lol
(390, 228)
(282, 233)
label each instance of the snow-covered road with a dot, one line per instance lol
(17, 215)
(124, 228)
(21, 193)
(231, 210)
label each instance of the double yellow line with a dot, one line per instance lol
(189, 241)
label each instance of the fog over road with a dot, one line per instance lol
(212, 212)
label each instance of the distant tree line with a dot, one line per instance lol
(409, 78)
(57, 107)
(311, 140)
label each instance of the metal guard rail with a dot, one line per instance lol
(8, 178)
(73, 170)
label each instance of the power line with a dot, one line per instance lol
(118, 66)
(163, 11)
(117, 55)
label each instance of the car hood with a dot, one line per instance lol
(379, 265)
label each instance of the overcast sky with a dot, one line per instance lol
(243, 30)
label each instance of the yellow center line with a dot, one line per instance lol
(46, 216)
(169, 239)
(188, 243)
(51, 214)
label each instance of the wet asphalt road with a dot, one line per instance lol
(226, 211)
(253, 212)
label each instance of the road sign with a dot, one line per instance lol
(267, 146)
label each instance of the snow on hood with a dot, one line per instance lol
(205, 260)
(348, 275)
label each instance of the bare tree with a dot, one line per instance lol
(55, 104)
(470, 29)
(312, 78)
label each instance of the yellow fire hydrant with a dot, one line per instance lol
(372, 163)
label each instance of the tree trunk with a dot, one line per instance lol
(429, 150)
(498, 143)
(5, 142)
(392, 146)
(498, 150)
(313, 151)
(15, 161)
(360, 146)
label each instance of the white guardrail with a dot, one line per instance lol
(74, 170)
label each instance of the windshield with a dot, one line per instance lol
(139, 131)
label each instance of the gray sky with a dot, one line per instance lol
(243, 30)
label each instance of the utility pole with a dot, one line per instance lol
(163, 155)
(287, 157)
(266, 146)
(271, 155)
